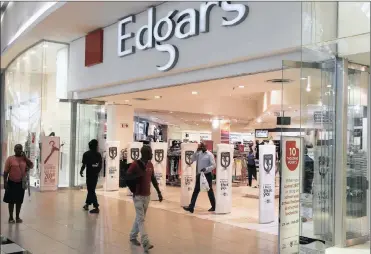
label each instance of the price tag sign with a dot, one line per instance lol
(292, 153)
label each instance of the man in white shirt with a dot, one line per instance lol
(205, 163)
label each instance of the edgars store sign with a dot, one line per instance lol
(182, 25)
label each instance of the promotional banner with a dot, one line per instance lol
(133, 153)
(50, 147)
(112, 178)
(267, 171)
(225, 129)
(188, 179)
(159, 161)
(224, 167)
(289, 230)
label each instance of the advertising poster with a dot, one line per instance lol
(133, 154)
(188, 180)
(49, 163)
(289, 229)
(159, 161)
(112, 178)
(267, 174)
(225, 128)
(224, 161)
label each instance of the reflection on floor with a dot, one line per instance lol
(359, 249)
(54, 222)
(245, 211)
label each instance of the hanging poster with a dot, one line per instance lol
(112, 178)
(159, 161)
(224, 159)
(289, 229)
(188, 178)
(267, 172)
(225, 128)
(49, 163)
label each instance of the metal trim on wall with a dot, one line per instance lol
(341, 150)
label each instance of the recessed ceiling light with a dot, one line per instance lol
(171, 112)
(126, 100)
(328, 86)
(241, 86)
(259, 120)
(194, 92)
(158, 97)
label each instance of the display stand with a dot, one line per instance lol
(224, 168)
(112, 178)
(159, 161)
(133, 154)
(188, 178)
(49, 174)
(267, 172)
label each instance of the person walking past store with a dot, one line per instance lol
(15, 171)
(139, 177)
(205, 164)
(251, 167)
(92, 161)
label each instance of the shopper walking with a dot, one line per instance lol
(205, 164)
(251, 167)
(139, 177)
(15, 171)
(92, 161)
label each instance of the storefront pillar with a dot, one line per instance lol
(120, 124)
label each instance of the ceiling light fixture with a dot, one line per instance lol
(259, 120)
(194, 92)
(158, 97)
(241, 86)
(126, 100)
(328, 86)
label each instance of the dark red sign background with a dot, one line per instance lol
(292, 155)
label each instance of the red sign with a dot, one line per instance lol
(292, 155)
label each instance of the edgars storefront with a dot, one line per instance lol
(242, 64)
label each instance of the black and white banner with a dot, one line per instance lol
(267, 171)
(224, 161)
(133, 153)
(111, 181)
(159, 161)
(188, 180)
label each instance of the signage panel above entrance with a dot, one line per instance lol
(184, 24)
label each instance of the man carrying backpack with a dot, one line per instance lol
(138, 178)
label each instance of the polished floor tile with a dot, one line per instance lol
(54, 222)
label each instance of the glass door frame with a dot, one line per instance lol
(74, 135)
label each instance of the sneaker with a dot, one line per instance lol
(11, 221)
(19, 220)
(135, 242)
(85, 207)
(95, 210)
(148, 247)
(212, 209)
(189, 209)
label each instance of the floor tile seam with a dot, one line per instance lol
(56, 240)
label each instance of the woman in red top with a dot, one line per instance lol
(15, 169)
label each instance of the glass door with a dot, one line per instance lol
(357, 196)
(308, 98)
(91, 124)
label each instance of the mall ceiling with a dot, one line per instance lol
(57, 27)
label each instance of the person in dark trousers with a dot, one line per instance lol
(251, 166)
(206, 164)
(15, 170)
(139, 177)
(92, 161)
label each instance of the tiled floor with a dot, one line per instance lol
(55, 223)
(245, 210)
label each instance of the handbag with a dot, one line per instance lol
(204, 185)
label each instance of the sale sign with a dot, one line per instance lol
(49, 163)
(289, 220)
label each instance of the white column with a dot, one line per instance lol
(120, 124)
(224, 167)
(159, 161)
(188, 173)
(120, 128)
(267, 171)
